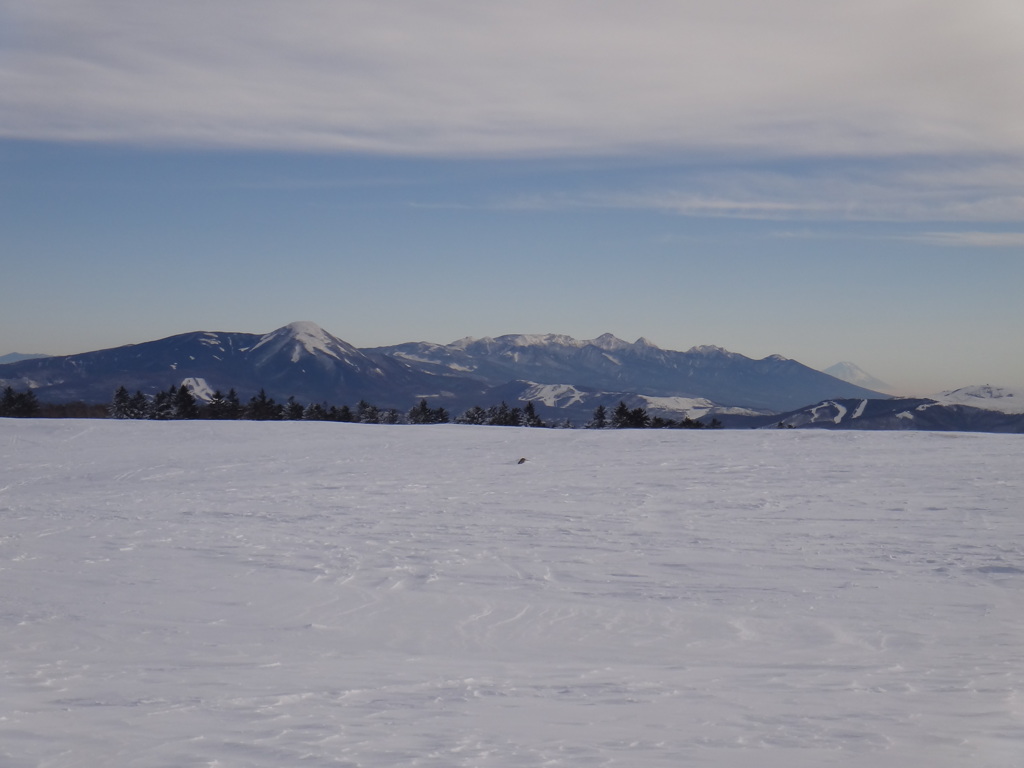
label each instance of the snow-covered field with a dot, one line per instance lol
(283, 594)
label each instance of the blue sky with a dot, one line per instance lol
(823, 181)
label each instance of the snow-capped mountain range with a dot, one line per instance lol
(609, 364)
(565, 374)
(566, 378)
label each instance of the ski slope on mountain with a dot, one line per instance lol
(272, 594)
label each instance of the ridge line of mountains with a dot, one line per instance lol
(564, 377)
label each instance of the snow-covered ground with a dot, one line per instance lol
(318, 594)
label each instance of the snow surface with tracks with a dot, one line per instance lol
(317, 594)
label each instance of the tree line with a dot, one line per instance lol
(624, 417)
(19, 404)
(180, 403)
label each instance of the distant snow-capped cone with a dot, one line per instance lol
(853, 374)
(986, 396)
(304, 338)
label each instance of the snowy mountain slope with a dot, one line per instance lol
(985, 396)
(150, 366)
(300, 360)
(855, 375)
(285, 594)
(901, 414)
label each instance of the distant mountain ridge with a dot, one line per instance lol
(611, 364)
(905, 413)
(300, 360)
(15, 357)
(568, 376)
(986, 397)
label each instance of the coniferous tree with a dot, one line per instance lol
(217, 407)
(620, 416)
(139, 406)
(343, 414)
(497, 414)
(424, 414)
(223, 406)
(367, 413)
(120, 408)
(185, 406)
(600, 418)
(7, 401)
(19, 404)
(530, 417)
(420, 414)
(515, 417)
(638, 418)
(315, 412)
(28, 405)
(293, 411)
(475, 415)
(263, 408)
(625, 418)
(503, 416)
(162, 407)
(232, 405)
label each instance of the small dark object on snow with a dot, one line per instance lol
(521, 461)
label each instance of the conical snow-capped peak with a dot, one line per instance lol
(304, 337)
(853, 374)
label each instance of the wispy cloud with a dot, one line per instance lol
(933, 189)
(972, 239)
(452, 77)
